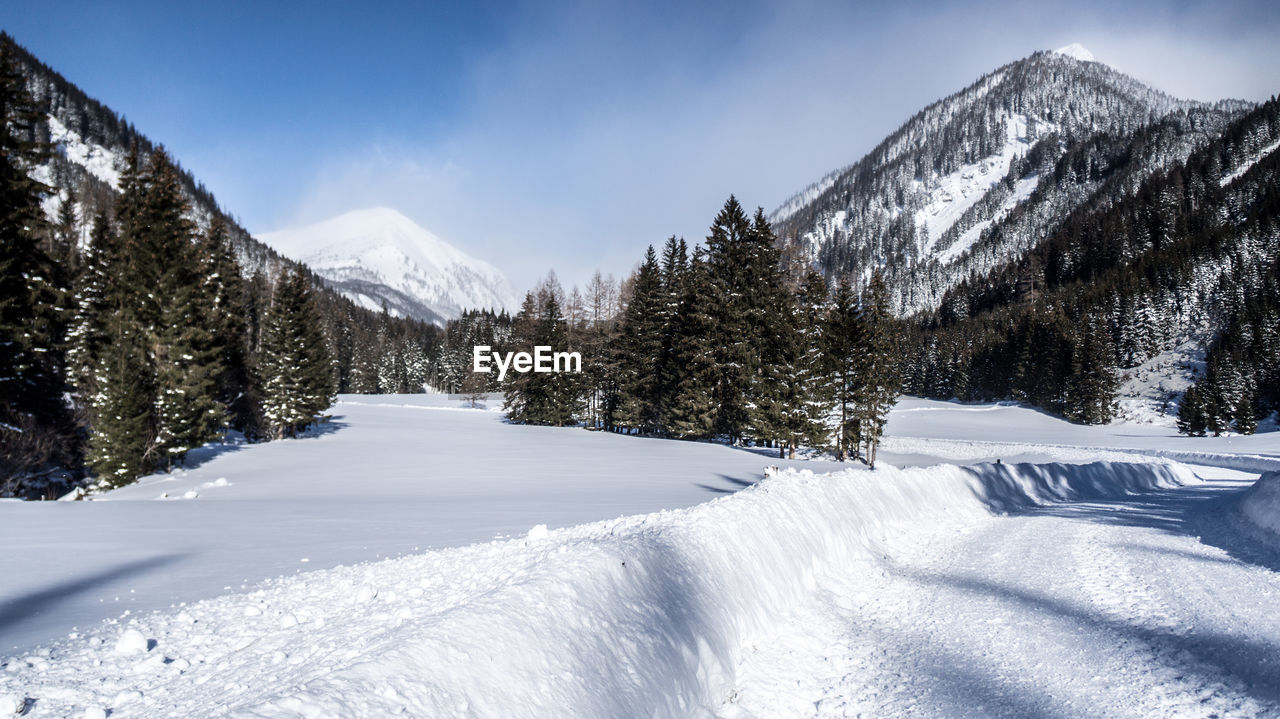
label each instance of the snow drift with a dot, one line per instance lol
(641, 616)
(1261, 503)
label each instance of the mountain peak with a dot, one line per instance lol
(377, 256)
(1077, 51)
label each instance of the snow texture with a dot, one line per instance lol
(947, 198)
(921, 589)
(1076, 51)
(1261, 504)
(97, 160)
(641, 616)
(1244, 167)
(389, 475)
(379, 255)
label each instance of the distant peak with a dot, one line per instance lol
(1077, 51)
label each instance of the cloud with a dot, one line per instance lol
(594, 129)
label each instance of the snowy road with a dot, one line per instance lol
(1155, 605)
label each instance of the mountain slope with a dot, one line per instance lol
(1131, 294)
(378, 256)
(978, 177)
(89, 145)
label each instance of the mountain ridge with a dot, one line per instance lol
(961, 164)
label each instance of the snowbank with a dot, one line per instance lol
(641, 616)
(975, 450)
(1261, 503)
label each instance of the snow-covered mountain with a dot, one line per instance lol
(977, 178)
(378, 256)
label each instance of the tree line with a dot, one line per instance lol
(713, 343)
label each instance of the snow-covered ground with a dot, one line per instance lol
(389, 475)
(1074, 587)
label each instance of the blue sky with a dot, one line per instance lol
(569, 135)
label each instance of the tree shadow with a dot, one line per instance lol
(15, 610)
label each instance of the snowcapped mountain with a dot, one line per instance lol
(1077, 51)
(977, 178)
(378, 256)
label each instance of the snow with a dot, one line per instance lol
(958, 432)
(1137, 606)
(1149, 393)
(1076, 51)
(97, 160)
(131, 641)
(389, 475)
(1261, 504)
(950, 196)
(1244, 167)
(383, 247)
(1022, 189)
(470, 567)
(642, 616)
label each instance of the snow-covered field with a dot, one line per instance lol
(1103, 580)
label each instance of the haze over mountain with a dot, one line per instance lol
(378, 256)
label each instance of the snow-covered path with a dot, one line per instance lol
(1154, 605)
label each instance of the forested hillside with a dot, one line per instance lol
(1192, 252)
(978, 178)
(140, 319)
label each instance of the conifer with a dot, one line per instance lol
(34, 422)
(295, 367)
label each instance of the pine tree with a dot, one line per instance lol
(224, 292)
(520, 403)
(639, 350)
(65, 246)
(735, 353)
(843, 343)
(1191, 419)
(693, 410)
(879, 382)
(180, 317)
(91, 311)
(122, 406)
(34, 421)
(803, 374)
(1091, 388)
(785, 414)
(295, 367)
(769, 311)
(675, 271)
